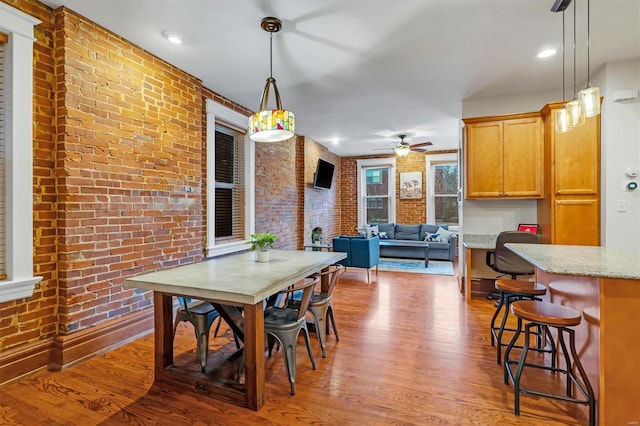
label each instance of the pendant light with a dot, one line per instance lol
(589, 97)
(271, 125)
(561, 114)
(574, 114)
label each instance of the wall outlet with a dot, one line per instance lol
(511, 218)
(621, 205)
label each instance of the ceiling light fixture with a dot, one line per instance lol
(546, 53)
(271, 125)
(574, 112)
(173, 37)
(561, 114)
(589, 97)
(403, 148)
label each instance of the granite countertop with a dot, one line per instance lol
(587, 261)
(479, 241)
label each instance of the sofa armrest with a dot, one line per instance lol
(453, 243)
(343, 245)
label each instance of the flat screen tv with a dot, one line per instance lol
(324, 175)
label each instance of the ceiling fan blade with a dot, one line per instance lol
(421, 144)
(415, 149)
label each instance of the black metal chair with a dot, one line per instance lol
(506, 262)
(284, 324)
(321, 307)
(201, 314)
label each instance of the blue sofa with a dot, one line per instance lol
(443, 249)
(361, 252)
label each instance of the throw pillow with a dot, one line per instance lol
(372, 231)
(444, 234)
(432, 238)
(383, 235)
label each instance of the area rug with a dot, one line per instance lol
(436, 267)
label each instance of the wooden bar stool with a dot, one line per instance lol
(509, 291)
(561, 318)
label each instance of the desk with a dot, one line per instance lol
(236, 280)
(474, 242)
(604, 285)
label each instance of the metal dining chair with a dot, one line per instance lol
(285, 323)
(201, 314)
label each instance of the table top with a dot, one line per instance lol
(239, 278)
(479, 241)
(590, 261)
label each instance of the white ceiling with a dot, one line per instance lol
(364, 71)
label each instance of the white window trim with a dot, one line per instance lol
(18, 90)
(230, 116)
(430, 159)
(375, 162)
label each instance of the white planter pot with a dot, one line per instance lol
(263, 255)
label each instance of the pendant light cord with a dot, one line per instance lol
(588, 42)
(574, 49)
(271, 55)
(563, 37)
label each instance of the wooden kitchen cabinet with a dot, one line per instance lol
(570, 212)
(504, 156)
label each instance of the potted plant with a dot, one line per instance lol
(262, 241)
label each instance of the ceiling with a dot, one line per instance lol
(361, 72)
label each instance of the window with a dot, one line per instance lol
(230, 181)
(17, 139)
(442, 204)
(376, 191)
(229, 185)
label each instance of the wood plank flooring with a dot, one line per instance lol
(411, 352)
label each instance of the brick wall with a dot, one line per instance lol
(129, 155)
(321, 206)
(35, 318)
(279, 202)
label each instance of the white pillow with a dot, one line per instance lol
(444, 234)
(372, 231)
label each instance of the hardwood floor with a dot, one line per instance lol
(410, 352)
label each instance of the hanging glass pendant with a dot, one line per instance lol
(589, 99)
(574, 114)
(562, 123)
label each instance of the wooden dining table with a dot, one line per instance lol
(229, 281)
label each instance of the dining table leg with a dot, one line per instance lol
(254, 368)
(163, 328)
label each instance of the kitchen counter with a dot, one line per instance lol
(604, 286)
(473, 242)
(586, 261)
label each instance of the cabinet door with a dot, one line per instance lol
(576, 222)
(522, 158)
(577, 159)
(484, 160)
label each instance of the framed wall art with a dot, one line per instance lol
(411, 185)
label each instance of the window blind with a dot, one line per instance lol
(229, 184)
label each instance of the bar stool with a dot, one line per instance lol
(561, 318)
(510, 291)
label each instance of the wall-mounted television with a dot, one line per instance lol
(323, 175)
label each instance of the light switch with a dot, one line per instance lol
(622, 205)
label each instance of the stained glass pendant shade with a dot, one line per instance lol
(271, 125)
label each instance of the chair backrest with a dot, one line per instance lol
(507, 261)
(300, 303)
(332, 274)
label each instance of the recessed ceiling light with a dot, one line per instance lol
(546, 53)
(336, 142)
(173, 37)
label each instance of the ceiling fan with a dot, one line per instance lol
(403, 148)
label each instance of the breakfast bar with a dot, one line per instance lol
(604, 285)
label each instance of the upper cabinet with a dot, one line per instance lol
(570, 211)
(504, 156)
